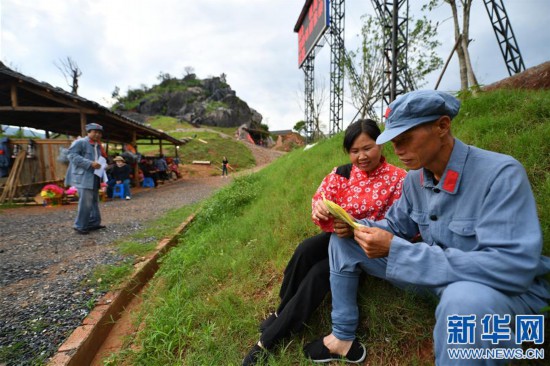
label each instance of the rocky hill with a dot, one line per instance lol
(209, 102)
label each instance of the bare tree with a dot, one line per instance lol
(364, 68)
(71, 72)
(189, 70)
(319, 99)
(462, 36)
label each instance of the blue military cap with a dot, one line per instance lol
(94, 126)
(415, 108)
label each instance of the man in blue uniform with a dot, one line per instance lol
(84, 158)
(480, 247)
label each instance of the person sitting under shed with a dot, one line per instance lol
(148, 168)
(162, 167)
(120, 174)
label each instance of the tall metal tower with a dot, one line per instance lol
(309, 87)
(505, 36)
(337, 54)
(394, 17)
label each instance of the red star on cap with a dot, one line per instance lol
(388, 111)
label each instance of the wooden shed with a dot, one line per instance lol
(26, 102)
(41, 166)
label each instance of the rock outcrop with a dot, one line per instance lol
(209, 102)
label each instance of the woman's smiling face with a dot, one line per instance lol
(364, 153)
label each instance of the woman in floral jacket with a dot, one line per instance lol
(366, 188)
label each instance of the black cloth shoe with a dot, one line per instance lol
(257, 355)
(81, 232)
(318, 352)
(98, 227)
(267, 322)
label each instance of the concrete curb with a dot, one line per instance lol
(82, 345)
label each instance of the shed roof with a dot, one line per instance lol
(27, 102)
(281, 132)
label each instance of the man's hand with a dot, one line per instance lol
(374, 241)
(320, 211)
(342, 229)
(96, 165)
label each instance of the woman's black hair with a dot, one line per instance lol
(358, 127)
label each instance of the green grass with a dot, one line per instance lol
(211, 291)
(213, 105)
(214, 150)
(11, 352)
(237, 153)
(8, 205)
(108, 276)
(167, 124)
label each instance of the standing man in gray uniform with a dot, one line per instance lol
(85, 156)
(480, 247)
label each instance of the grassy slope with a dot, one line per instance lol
(212, 290)
(238, 154)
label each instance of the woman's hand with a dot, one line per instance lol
(320, 211)
(342, 229)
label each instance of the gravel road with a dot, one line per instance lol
(44, 263)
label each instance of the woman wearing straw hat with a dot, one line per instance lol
(120, 174)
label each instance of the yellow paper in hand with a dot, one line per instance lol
(338, 212)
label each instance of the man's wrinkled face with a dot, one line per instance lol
(418, 147)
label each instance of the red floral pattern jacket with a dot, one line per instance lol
(362, 195)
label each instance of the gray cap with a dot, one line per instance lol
(414, 108)
(94, 126)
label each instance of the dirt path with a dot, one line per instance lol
(44, 263)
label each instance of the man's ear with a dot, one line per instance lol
(443, 125)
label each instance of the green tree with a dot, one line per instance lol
(365, 65)
(163, 76)
(19, 134)
(116, 93)
(300, 127)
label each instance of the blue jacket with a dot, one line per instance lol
(479, 223)
(161, 164)
(82, 154)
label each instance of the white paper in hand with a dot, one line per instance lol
(101, 170)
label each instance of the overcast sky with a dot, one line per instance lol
(126, 43)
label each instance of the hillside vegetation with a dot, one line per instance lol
(205, 144)
(211, 291)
